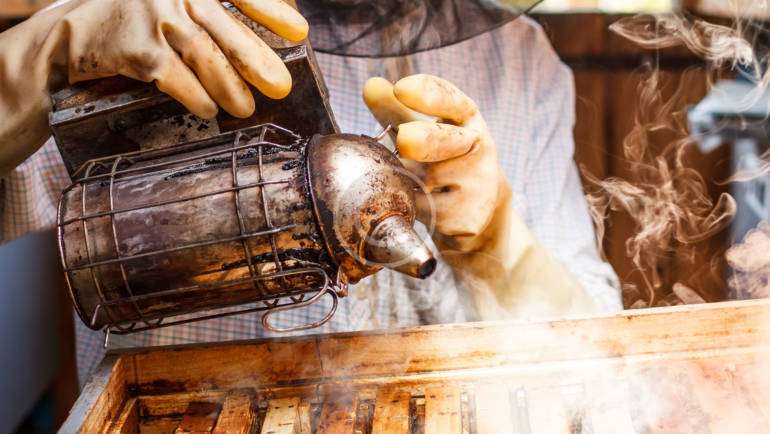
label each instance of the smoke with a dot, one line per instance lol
(755, 168)
(667, 201)
(750, 261)
(716, 44)
(673, 215)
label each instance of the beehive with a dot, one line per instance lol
(671, 370)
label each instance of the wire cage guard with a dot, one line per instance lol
(157, 238)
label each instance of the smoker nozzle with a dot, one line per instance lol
(365, 207)
(394, 244)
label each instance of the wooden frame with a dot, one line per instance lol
(442, 379)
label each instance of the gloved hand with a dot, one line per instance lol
(488, 246)
(194, 50)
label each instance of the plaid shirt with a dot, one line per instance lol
(527, 98)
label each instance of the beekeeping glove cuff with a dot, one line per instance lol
(468, 201)
(194, 50)
(508, 273)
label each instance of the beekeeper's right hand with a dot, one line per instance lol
(193, 50)
(508, 273)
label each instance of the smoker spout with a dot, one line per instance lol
(363, 199)
(394, 244)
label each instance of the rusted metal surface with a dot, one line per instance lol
(360, 188)
(213, 222)
(171, 214)
(233, 220)
(112, 116)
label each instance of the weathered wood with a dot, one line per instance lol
(452, 347)
(597, 375)
(199, 418)
(65, 388)
(756, 383)
(487, 345)
(282, 417)
(493, 409)
(237, 415)
(101, 399)
(128, 421)
(609, 406)
(177, 403)
(591, 116)
(546, 411)
(305, 426)
(284, 390)
(575, 36)
(442, 409)
(728, 407)
(391, 412)
(269, 362)
(160, 425)
(338, 415)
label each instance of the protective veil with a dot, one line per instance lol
(384, 28)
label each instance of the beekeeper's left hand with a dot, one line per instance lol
(195, 51)
(442, 132)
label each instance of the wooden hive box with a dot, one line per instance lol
(694, 369)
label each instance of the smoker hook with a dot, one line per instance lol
(327, 289)
(384, 132)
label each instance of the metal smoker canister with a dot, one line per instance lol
(259, 217)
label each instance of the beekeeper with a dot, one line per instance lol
(482, 106)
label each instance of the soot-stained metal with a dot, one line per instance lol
(359, 188)
(253, 216)
(173, 219)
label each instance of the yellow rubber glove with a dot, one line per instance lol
(193, 50)
(508, 273)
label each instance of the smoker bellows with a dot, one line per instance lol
(173, 219)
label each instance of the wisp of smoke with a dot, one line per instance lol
(716, 44)
(750, 261)
(719, 46)
(746, 174)
(666, 200)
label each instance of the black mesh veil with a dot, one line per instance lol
(384, 28)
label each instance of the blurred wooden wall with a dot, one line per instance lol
(608, 71)
(21, 8)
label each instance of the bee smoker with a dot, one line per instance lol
(172, 218)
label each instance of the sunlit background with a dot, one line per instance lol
(614, 6)
(746, 8)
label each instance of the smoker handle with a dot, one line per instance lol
(327, 289)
